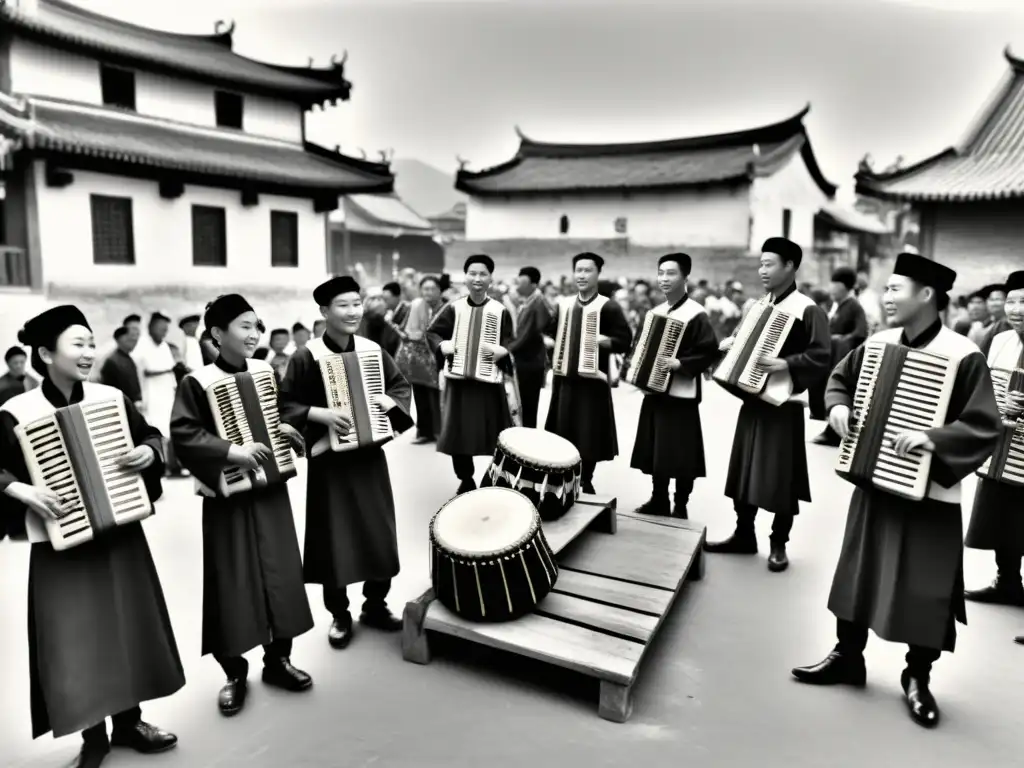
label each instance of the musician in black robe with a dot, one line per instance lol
(997, 520)
(581, 408)
(995, 303)
(119, 369)
(849, 328)
(528, 349)
(473, 413)
(900, 569)
(100, 640)
(669, 441)
(350, 509)
(253, 590)
(768, 464)
(16, 380)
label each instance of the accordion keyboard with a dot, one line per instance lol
(460, 336)
(770, 343)
(489, 334)
(560, 355)
(371, 369)
(672, 335)
(229, 416)
(1009, 450)
(266, 388)
(588, 343)
(336, 386)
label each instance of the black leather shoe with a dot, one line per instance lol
(827, 440)
(1019, 639)
(92, 755)
(654, 506)
(777, 560)
(834, 669)
(998, 593)
(737, 544)
(143, 738)
(340, 633)
(920, 703)
(381, 619)
(588, 488)
(423, 440)
(232, 696)
(283, 675)
(466, 486)
(679, 511)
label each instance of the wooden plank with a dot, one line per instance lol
(415, 645)
(577, 648)
(635, 597)
(668, 522)
(609, 556)
(604, 618)
(658, 537)
(561, 532)
(598, 499)
(616, 702)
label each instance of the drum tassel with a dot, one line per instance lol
(504, 582)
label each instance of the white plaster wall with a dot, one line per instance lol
(708, 218)
(790, 187)
(42, 71)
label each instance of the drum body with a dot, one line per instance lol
(489, 560)
(542, 466)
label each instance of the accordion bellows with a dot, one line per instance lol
(659, 339)
(581, 337)
(761, 334)
(474, 327)
(351, 380)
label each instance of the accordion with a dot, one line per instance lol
(73, 452)
(475, 326)
(576, 351)
(899, 389)
(351, 379)
(660, 338)
(1006, 464)
(761, 334)
(244, 407)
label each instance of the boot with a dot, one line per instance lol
(1002, 591)
(837, 668)
(656, 505)
(742, 542)
(777, 560)
(467, 485)
(920, 703)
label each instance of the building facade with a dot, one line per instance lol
(144, 170)
(968, 200)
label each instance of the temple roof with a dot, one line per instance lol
(91, 134)
(988, 163)
(541, 167)
(208, 58)
(373, 213)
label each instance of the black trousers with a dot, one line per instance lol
(781, 525)
(428, 411)
(236, 667)
(126, 720)
(853, 639)
(1008, 567)
(531, 382)
(684, 487)
(587, 472)
(375, 593)
(816, 400)
(463, 466)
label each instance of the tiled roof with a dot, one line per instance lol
(851, 220)
(97, 134)
(987, 165)
(208, 57)
(543, 167)
(387, 211)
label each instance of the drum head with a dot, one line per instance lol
(484, 522)
(539, 446)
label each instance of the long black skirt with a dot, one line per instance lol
(997, 520)
(474, 414)
(581, 411)
(768, 465)
(100, 640)
(669, 441)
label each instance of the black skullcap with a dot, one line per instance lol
(14, 352)
(326, 292)
(988, 290)
(925, 271)
(131, 319)
(976, 295)
(393, 288)
(530, 272)
(43, 330)
(156, 316)
(479, 258)
(598, 261)
(785, 249)
(299, 327)
(120, 333)
(1015, 282)
(277, 331)
(682, 259)
(222, 310)
(188, 319)
(846, 276)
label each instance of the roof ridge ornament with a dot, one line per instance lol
(222, 27)
(340, 65)
(462, 162)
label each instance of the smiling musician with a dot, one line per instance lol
(669, 442)
(900, 569)
(348, 397)
(253, 591)
(586, 330)
(100, 640)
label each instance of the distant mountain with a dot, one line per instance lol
(427, 190)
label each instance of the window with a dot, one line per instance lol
(229, 109)
(563, 225)
(284, 239)
(118, 87)
(621, 225)
(209, 237)
(113, 237)
(787, 221)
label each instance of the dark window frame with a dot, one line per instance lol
(103, 212)
(563, 224)
(207, 251)
(226, 106)
(787, 221)
(118, 87)
(289, 219)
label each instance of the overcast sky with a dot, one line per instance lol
(436, 79)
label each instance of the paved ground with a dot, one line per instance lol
(715, 690)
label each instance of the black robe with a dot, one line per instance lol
(900, 569)
(350, 508)
(473, 413)
(669, 440)
(581, 408)
(121, 372)
(253, 590)
(99, 636)
(768, 463)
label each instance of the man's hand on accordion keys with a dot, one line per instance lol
(672, 363)
(906, 442)
(249, 456)
(839, 420)
(726, 344)
(496, 351)
(447, 348)
(137, 459)
(604, 342)
(42, 501)
(774, 364)
(295, 439)
(1014, 405)
(384, 402)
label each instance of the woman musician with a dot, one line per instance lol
(100, 640)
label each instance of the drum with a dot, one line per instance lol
(489, 560)
(540, 465)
